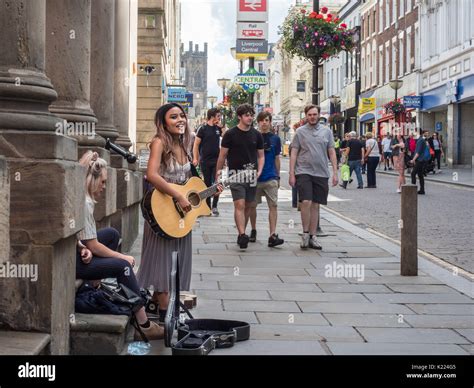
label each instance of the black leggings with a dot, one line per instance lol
(437, 156)
(107, 267)
(209, 173)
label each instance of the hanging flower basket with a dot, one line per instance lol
(394, 107)
(336, 118)
(315, 36)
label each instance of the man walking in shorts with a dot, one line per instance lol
(243, 147)
(311, 149)
(269, 181)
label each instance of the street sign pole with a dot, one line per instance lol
(251, 66)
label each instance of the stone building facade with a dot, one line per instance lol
(159, 29)
(194, 64)
(65, 76)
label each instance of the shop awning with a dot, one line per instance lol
(367, 117)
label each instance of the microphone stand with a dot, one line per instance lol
(130, 157)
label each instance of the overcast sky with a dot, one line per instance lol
(214, 22)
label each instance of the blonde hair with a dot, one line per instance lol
(369, 135)
(95, 166)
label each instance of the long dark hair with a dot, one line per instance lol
(165, 136)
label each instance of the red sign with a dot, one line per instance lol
(252, 33)
(252, 5)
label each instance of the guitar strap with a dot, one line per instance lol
(194, 171)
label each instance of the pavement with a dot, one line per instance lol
(348, 299)
(460, 177)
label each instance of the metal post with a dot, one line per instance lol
(315, 86)
(409, 231)
(251, 66)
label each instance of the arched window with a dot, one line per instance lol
(197, 80)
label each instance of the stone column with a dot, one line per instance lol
(68, 56)
(452, 132)
(46, 183)
(4, 212)
(25, 91)
(102, 66)
(122, 70)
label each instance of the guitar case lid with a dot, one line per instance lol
(197, 336)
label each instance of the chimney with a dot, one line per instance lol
(196, 48)
(191, 47)
(205, 47)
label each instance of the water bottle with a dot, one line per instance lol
(138, 348)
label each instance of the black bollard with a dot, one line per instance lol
(409, 231)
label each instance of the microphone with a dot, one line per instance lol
(131, 158)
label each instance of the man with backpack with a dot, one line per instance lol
(422, 156)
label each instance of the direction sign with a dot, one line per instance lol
(251, 80)
(251, 48)
(252, 30)
(252, 10)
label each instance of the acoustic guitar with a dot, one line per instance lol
(168, 219)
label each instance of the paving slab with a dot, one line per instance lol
(343, 348)
(318, 296)
(367, 320)
(422, 289)
(358, 288)
(257, 306)
(290, 332)
(441, 321)
(206, 285)
(356, 308)
(312, 279)
(292, 318)
(244, 316)
(398, 280)
(467, 333)
(268, 286)
(442, 309)
(234, 295)
(411, 335)
(323, 271)
(419, 298)
(242, 278)
(268, 347)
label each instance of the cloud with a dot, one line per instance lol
(214, 22)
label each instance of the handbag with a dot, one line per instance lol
(122, 295)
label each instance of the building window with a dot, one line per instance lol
(394, 11)
(374, 64)
(374, 21)
(260, 67)
(387, 13)
(368, 65)
(328, 82)
(301, 86)
(338, 75)
(150, 21)
(364, 71)
(380, 80)
(408, 54)
(332, 82)
(401, 61)
(380, 17)
(402, 7)
(387, 63)
(197, 80)
(409, 5)
(394, 61)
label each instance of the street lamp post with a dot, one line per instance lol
(212, 100)
(396, 84)
(223, 83)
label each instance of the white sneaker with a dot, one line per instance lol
(304, 241)
(313, 243)
(399, 190)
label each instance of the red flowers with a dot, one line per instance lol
(319, 16)
(344, 25)
(324, 10)
(313, 15)
(303, 10)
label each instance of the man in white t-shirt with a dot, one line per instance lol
(387, 151)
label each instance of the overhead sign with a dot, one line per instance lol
(251, 80)
(176, 94)
(252, 30)
(252, 10)
(412, 102)
(278, 120)
(246, 48)
(366, 105)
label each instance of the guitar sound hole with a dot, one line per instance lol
(194, 199)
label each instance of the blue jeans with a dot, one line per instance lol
(107, 267)
(354, 165)
(372, 163)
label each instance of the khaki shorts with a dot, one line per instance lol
(270, 190)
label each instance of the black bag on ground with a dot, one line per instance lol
(197, 337)
(90, 300)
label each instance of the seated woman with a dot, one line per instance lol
(98, 257)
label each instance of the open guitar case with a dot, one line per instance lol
(197, 337)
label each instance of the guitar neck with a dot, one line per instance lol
(210, 191)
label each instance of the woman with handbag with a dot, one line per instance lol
(169, 162)
(398, 153)
(372, 159)
(98, 257)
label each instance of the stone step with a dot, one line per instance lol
(99, 334)
(22, 343)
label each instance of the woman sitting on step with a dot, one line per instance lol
(98, 257)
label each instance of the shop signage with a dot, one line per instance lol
(366, 105)
(413, 102)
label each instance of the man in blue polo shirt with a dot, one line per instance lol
(422, 156)
(269, 181)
